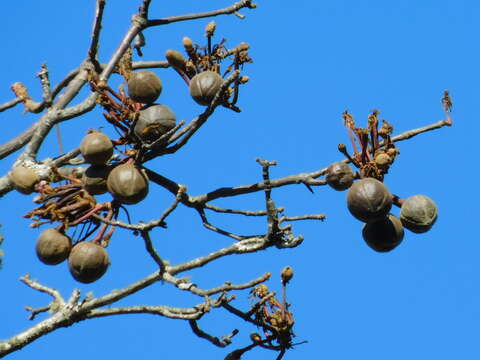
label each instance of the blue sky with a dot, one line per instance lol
(312, 60)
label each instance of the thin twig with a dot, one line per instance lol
(239, 212)
(320, 217)
(185, 285)
(42, 288)
(220, 342)
(152, 252)
(10, 104)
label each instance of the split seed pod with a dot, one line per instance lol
(127, 184)
(96, 148)
(94, 179)
(53, 247)
(23, 179)
(144, 86)
(88, 262)
(369, 200)
(153, 122)
(383, 235)
(418, 213)
(339, 176)
(204, 86)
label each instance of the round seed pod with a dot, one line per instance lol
(23, 179)
(153, 122)
(144, 86)
(96, 148)
(418, 213)
(88, 262)
(204, 86)
(339, 176)
(383, 235)
(127, 184)
(368, 200)
(53, 246)
(94, 179)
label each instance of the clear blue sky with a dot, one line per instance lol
(313, 60)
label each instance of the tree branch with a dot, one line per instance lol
(226, 11)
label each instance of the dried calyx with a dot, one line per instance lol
(383, 235)
(96, 148)
(144, 86)
(94, 179)
(368, 200)
(153, 122)
(204, 86)
(88, 262)
(53, 246)
(127, 184)
(339, 176)
(23, 179)
(418, 213)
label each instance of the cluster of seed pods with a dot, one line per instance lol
(370, 201)
(141, 121)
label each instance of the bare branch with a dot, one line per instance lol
(320, 217)
(242, 247)
(166, 311)
(10, 104)
(216, 229)
(35, 311)
(239, 212)
(45, 81)
(414, 132)
(149, 247)
(97, 26)
(150, 64)
(226, 11)
(42, 288)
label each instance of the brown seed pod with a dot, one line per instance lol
(204, 86)
(127, 184)
(383, 235)
(53, 246)
(88, 262)
(23, 179)
(96, 148)
(418, 213)
(339, 176)
(368, 200)
(144, 86)
(94, 179)
(153, 122)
